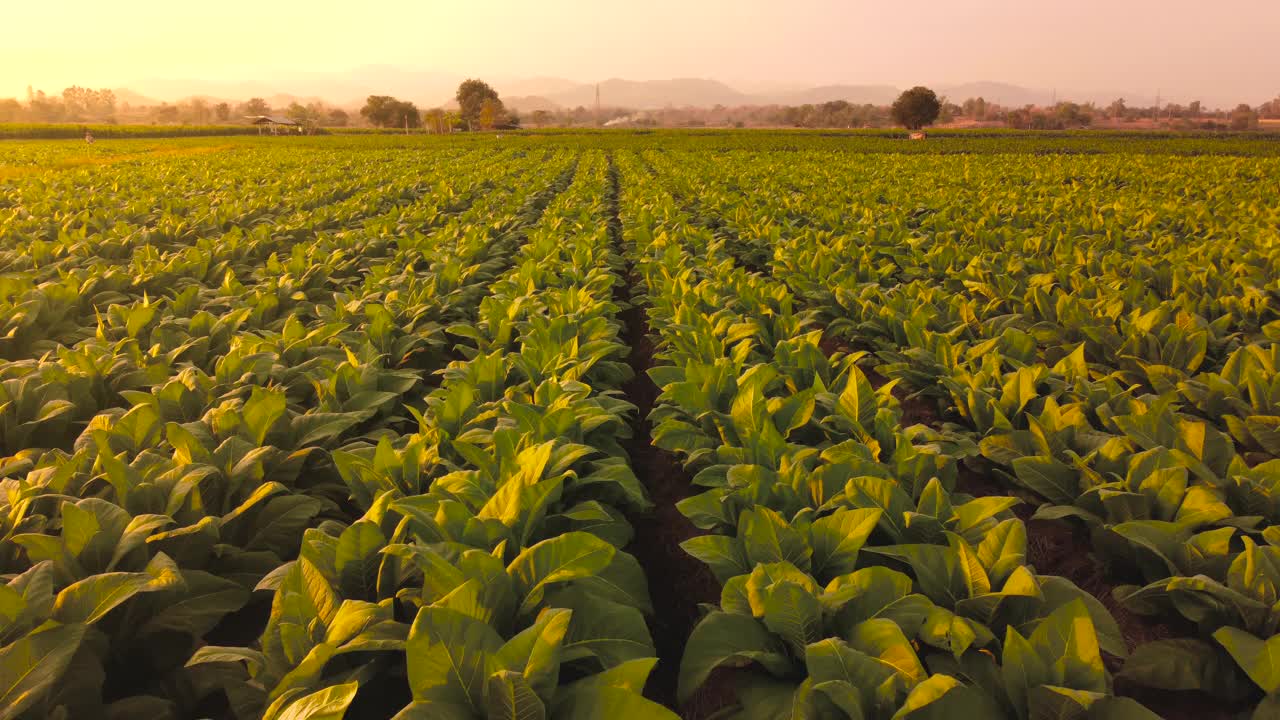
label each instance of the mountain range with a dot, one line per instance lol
(435, 89)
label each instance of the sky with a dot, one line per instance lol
(1227, 49)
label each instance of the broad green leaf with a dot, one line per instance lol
(1260, 659)
(328, 704)
(448, 654)
(358, 558)
(559, 559)
(509, 697)
(837, 538)
(724, 639)
(32, 666)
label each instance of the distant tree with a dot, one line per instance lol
(975, 108)
(10, 110)
(257, 106)
(433, 121)
(196, 111)
(471, 97)
(222, 112)
(1117, 110)
(1271, 109)
(85, 104)
(1071, 115)
(338, 118)
(386, 111)
(1244, 118)
(540, 118)
(916, 108)
(297, 112)
(1193, 110)
(490, 113)
(379, 110)
(165, 113)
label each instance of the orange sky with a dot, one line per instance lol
(1229, 49)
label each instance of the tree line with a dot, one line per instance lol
(479, 107)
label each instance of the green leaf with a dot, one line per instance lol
(721, 553)
(724, 639)
(1183, 664)
(33, 665)
(559, 559)
(942, 697)
(1003, 550)
(261, 411)
(1067, 638)
(858, 400)
(1259, 659)
(1057, 482)
(883, 639)
(359, 554)
(534, 653)
(509, 697)
(88, 600)
(793, 613)
(330, 703)
(837, 538)
(1022, 670)
(447, 655)
(767, 538)
(608, 702)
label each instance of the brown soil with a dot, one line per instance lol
(677, 581)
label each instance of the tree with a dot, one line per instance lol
(975, 108)
(1116, 110)
(85, 104)
(490, 114)
(1244, 118)
(916, 108)
(338, 118)
(10, 110)
(222, 112)
(540, 118)
(298, 113)
(386, 111)
(435, 121)
(257, 106)
(471, 97)
(195, 111)
(1270, 109)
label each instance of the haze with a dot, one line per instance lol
(1223, 52)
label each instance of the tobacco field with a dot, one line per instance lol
(640, 425)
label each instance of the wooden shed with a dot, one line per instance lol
(274, 122)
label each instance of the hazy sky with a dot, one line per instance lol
(1226, 48)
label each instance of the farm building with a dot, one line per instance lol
(275, 123)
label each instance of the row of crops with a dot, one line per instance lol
(312, 431)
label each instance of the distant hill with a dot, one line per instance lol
(435, 89)
(528, 103)
(126, 96)
(651, 94)
(856, 94)
(1001, 93)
